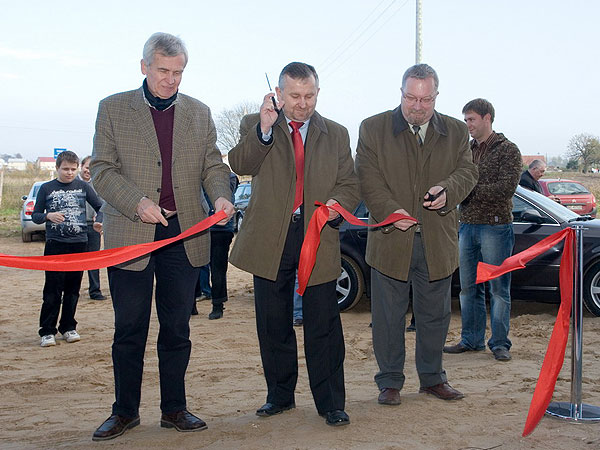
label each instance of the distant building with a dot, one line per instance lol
(46, 163)
(527, 159)
(16, 164)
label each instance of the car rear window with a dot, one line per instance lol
(566, 188)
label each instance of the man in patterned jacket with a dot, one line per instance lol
(486, 233)
(154, 152)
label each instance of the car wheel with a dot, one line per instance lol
(591, 289)
(350, 284)
(26, 237)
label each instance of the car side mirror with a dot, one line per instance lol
(24, 198)
(532, 215)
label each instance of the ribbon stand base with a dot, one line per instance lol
(575, 410)
(577, 413)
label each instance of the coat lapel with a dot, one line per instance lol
(143, 119)
(180, 127)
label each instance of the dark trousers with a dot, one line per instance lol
(131, 293)
(323, 337)
(219, 259)
(93, 275)
(60, 287)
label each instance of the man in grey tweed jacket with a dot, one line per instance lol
(154, 152)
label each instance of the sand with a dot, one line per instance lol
(55, 397)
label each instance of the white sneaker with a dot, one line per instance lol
(71, 336)
(48, 340)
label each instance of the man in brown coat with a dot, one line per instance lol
(269, 243)
(154, 151)
(415, 161)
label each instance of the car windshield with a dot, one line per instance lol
(560, 212)
(566, 188)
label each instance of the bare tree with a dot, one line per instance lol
(584, 148)
(228, 124)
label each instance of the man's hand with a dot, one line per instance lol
(268, 115)
(97, 227)
(403, 224)
(437, 203)
(149, 212)
(55, 217)
(333, 214)
(222, 204)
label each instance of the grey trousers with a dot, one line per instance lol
(389, 304)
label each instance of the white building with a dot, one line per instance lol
(16, 164)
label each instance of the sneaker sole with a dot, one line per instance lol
(50, 344)
(133, 424)
(165, 424)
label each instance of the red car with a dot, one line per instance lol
(571, 194)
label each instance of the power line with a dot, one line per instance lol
(43, 129)
(324, 62)
(368, 39)
(329, 63)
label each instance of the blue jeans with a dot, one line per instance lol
(297, 301)
(491, 244)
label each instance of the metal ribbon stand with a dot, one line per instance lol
(575, 410)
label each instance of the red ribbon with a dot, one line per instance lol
(555, 354)
(312, 239)
(74, 262)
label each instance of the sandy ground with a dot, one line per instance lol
(55, 397)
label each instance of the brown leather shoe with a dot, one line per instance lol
(389, 396)
(182, 421)
(114, 426)
(443, 391)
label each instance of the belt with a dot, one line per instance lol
(296, 217)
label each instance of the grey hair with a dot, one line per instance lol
(298, 71)
(420, 72)
(166, 44)
(537, 163)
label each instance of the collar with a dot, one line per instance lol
(160, 104)
(316, 120)
(399, 123)
(487, 143)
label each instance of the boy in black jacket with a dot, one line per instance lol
(61, 204)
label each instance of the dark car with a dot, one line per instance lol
(242, 197)
(570, 194)
(535, 217)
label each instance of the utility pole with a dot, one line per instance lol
(419, 30)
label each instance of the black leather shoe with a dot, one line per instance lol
(98, 297)
(298, 322)
(458, 348)
(336, 418)
(217, 312)
(114, 427)
(270, 409)
(182, 421)
(501, 354)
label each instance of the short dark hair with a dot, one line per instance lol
(84, 160)
(421, 72)
(480, 106)
(298, 71)
(67, 156)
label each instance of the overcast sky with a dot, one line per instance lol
(536, 61)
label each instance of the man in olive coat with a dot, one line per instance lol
(268, 245)
(414, 161)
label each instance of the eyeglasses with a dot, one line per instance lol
(426, 101)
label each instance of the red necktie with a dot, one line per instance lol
(299, 158)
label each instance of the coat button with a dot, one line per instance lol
(158, 163)
(158, 190)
